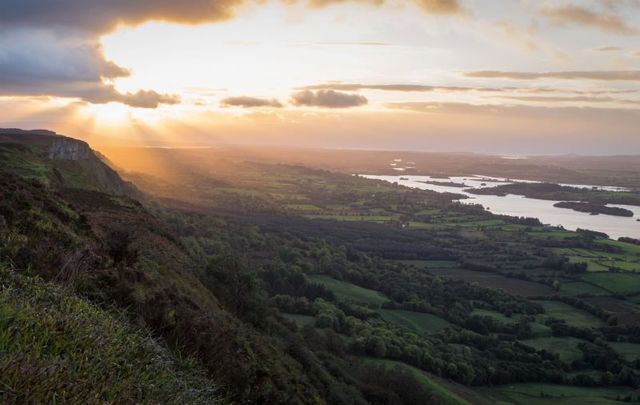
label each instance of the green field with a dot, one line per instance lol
(565, 347)
(571, 315)
(415, 321)
(349, 291)
(630, 351)
(539, 329)
(495, 315)
(543, 394)
(439, 388)
(431, 264)
(574, 288)
(621, 283)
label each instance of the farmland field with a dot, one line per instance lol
(571, 315)
(621, 283)
(415, 321)
(630, 351)
(542, 394)
(493, 280)
(565, 347)
(350, 291)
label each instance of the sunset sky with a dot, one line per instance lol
(503, 76)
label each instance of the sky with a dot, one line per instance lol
(488, 76)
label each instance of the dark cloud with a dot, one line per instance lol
(32, 56)
(39, 63)
(578, 15)
(327, 98)
(101, 16)
(605, 75)
(249, 102)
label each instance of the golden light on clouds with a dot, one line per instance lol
(392, 73)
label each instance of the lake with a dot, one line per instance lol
(520, 206)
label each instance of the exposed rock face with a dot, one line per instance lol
(74, 159)
(69, 149)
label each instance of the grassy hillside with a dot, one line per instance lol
(58, 348)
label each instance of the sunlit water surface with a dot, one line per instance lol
(517, 205)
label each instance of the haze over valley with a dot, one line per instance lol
(320, 202)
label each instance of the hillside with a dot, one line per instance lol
(59, 161)
(288, 284)
(112, 251)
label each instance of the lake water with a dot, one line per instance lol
(517, 205)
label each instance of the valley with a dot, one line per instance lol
(340, 283)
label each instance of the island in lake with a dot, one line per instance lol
(444, 183)
(557, 192)
(594, 209)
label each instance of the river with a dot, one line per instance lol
(517, 205)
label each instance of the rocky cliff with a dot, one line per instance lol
(61, 161)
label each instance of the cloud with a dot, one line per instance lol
(442, 7)
(101, 16)
(328, 99)
(605, 75)
(65, 58)
(502, 110)
(562, 99)
(608, 49)
(249, 102)
(577, 15)
(382, 87)
(352, 43)
(31, 56)
(39, 62)
(146, 99)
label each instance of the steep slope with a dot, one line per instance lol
(58, 160)
(57, 347)
(112, 251)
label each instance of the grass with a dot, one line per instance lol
(592, 264)
(542, 394)
(57, 348)
(539, 329)
(494, 315)
(620, 283)
(443, 393)
(433, 264)
(415, 321)
(630, 351)
(565, 347)
(574, 288)
(348, 291)
(571, 315)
